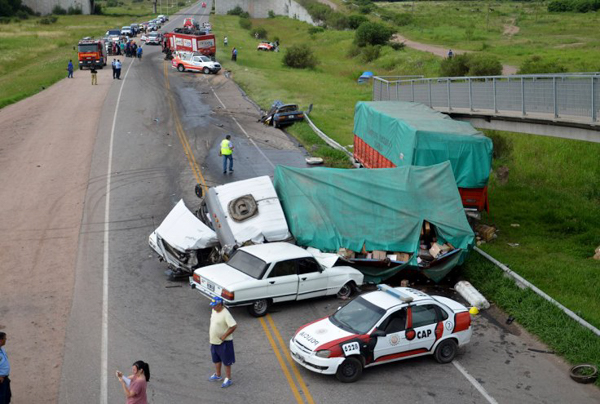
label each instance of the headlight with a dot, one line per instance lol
(324, 353)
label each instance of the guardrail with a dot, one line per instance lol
(575, 96)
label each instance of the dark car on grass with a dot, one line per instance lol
(282, 114)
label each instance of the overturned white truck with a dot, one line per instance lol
(230, 216)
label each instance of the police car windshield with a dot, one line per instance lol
(358, 316)
(248, 264)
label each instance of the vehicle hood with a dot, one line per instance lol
(453, 305)
(184, 231)
(318, 333)
(223, 275)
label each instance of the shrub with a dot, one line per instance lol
(370, 53)
(397, 45)
(51, 19)
(338, 21)
(536, 65)
(299, 57)
(259, 33)
(5, 20)
(181, 3)
(58, 10)
(97, 9)
(366, 8)
(112, 3)
(245, 23)
(503, 145)
(372, 33)
(402, 19)
(238, 11)
(315, 30)
(484, 65)
(355, 20)
(21, 15)
(271, 14)
(455, 67)
(74, 11)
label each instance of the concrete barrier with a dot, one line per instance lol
(261, 8)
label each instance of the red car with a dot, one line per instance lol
(203, 5)
(266, 46)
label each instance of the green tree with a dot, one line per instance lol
(300, 57)
(355, 20)
(536, 65)
(373, 33)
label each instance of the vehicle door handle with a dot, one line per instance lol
(272, 282)
(305, 278)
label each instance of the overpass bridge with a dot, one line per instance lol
(558, 105)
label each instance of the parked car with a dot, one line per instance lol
(113, 34)
(282, 114)
(126, 31)
(135, 28)
(387, 325)
(195, 62)
(154, 38)
(152, 27)
(266, 46)
(259, 275)
(161, 18)
(203, 4)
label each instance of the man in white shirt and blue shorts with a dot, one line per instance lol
(222, 326)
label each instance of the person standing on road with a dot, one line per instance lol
(222, 325)
(139, 52)
(70, 69)
(135, 385)
(118, 69)
(114, 68)
(94, 75)
(227, 153)
(5, 393)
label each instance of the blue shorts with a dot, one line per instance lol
(223, 353)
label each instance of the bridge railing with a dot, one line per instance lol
(569, 96)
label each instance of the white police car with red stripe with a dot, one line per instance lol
(383, 326)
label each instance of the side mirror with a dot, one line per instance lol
(378, 333)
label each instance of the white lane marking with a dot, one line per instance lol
(474, 382)
(245, 133)
(104, 344)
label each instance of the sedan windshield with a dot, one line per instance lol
(358, 316)
(248, 264)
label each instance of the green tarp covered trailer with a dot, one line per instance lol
(400, 134)
(382, 209)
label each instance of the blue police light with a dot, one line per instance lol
(394, 292)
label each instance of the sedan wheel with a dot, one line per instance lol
(206, 70)
(446, 351)
(181, 68)
(259, 308)
(350, 370)
(346, 291)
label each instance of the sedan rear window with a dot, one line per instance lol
(358, 316)
(248, 264)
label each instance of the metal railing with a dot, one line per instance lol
(574, 95)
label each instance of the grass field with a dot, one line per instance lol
(571, 39)
(33, 56)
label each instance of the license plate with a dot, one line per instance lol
(290, 116)
(210, 286)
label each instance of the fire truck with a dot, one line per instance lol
(91, 52)
(192, 41)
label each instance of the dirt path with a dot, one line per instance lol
(45, 149)
(443, 52)
(511, 29)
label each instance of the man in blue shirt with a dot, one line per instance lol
(5, 394)
(70, 69)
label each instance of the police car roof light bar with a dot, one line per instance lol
(394, 292)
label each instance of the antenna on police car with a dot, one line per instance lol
(395, 292)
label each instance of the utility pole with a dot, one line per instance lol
(154, 6)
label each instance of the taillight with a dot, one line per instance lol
(462, 321)
(227, 294)
(196, 278)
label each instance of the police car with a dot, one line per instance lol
(383, 326)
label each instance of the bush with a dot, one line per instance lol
(97, 9)
(503, 145)
(21, 15)
(370, 53)
(315, 30)
(355, 20)
(536, 65)
(271, 14)
(238, 11)
(259, 33)
(366, 9)
(58, 10)
(245, 23)
(74, 11)
(112, 3)
(5, 20)
(181, 3)
(299, 57)
(372, 33)
(470, 65)
(397, 46)
(51, 19)
(580, 6)
(338, 21)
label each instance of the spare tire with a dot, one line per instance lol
(243, 208)
(584, 373)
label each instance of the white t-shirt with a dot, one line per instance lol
(219, 324)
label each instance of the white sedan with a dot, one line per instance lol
(259, 275)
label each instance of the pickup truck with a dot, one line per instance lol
(195, 62)
(126, 31)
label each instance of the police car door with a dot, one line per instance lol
(394, 343)
(422, 333)
(282, 281)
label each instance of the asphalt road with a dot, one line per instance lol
(158, 137)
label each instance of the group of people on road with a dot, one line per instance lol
(132, 50)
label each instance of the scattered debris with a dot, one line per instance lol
(486, 232)
(173, 286)
(597, 255)
(513, 244)
(502, 175)
(515, 225)
(472, 295)
(510, 320)
(584, 373)
(155, 119)
(541, 351)
(314, 160)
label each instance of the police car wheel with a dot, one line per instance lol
(346, 291)
(259, 308)
(350, 370)
(206, 70)
(446, 351)
(181, 68)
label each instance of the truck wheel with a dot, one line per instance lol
(350, 370)
(206, 70)
(181, 68)
(259, 308)
(446, 351)
(346, 291)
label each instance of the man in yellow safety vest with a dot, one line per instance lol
(227, 153)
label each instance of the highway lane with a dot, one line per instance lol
(161, 115)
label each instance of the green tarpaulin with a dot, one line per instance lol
(382, 209)
(408, 133)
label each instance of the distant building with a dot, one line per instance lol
(46, 6)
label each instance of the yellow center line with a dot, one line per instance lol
(288, 376)
(286, 351)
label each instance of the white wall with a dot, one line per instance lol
(261, 8)
(46, 6)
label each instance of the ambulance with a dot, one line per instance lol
(383, 326)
